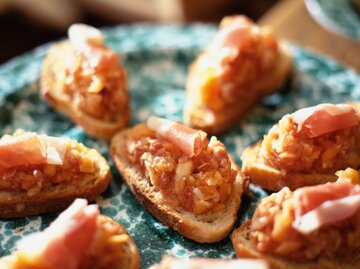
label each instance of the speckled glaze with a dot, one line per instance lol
(157, 58)
(339, 16)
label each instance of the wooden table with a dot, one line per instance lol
(290, 20)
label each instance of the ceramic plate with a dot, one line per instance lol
(339, 16)
(157, 58)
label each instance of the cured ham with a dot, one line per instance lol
(32, 149)
(25, 149)
(325, 118)
(64, 243)
(90, 42)
(82, 35)
(324, 204)
(231, 40)
(56, 148)
(308, 198)
(327, 213)
(191, 142)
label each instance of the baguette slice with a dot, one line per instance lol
(273, 179)
(244, 249)
(197, 112)
(15, 204)
(110, 248)
(205, 228)
(52, 91)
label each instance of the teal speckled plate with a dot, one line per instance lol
(339, 16)
(157, 58)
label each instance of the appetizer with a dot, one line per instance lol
(305, 148)
(80, 238)
(201, 263)
(40, 173)
(187, 182)
(243, 64)
(313, 227)
(82, 78)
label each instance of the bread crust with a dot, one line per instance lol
(53, 94)
(270, 178)
(244, 249)
(197, 113)
(19, 204)
(205, 228)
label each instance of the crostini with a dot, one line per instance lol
(305, 148)
(40, 173)
(187, 182)
(169, 262)
(83, 79)
(243, 64)
(313, 227)
(80, 238)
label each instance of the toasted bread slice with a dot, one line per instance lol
(57, 196)
(52, 84)
(197, 113)
(270, 178)
(244, 249)
(203, 228)
(110, 248)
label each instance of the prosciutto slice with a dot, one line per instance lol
(191, 142)
(64, 243)
(21, 150)
(90, 42)
(325, 118)
(82, 35)
(324, 204)
(32, 149)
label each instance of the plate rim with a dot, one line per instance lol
(317, 13)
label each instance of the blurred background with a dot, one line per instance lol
(25, 24)
(330, 27)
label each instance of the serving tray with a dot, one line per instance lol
(156, 58)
